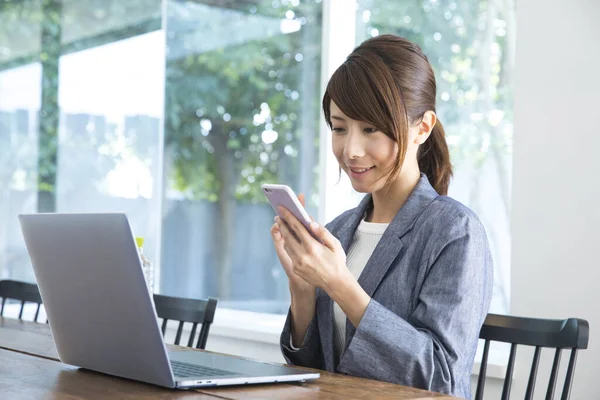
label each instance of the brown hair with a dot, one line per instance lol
(388, 82)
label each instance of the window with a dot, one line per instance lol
(145, 115)
(242, 109)
(111, 106)
(20, 88)
(176, 111)
(19, 107)
(97, 74)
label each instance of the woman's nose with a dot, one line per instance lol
(354, 146)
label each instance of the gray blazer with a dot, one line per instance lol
(430, 281)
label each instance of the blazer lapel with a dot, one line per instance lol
(344, 234)
(390, 244)
(385, 253)
(387, 250)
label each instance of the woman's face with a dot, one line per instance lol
(364, 153)
(368, 155)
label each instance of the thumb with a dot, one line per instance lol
(326, 237)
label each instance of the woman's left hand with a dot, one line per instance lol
(320, 264)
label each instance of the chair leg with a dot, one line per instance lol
(552, 381)
(482, 371)
(509, 373)
(22, 307)
(203, 336)
(192, 335)
(533, 373)
(37, 313)
(569, 377)
(178, 335)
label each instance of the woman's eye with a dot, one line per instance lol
(370, 130)
(338, 130)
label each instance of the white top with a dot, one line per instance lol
(365, 240)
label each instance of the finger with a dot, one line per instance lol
(279, 244)
(291, 248)
(276, 233)
(326, 237)
(288, 234)
(296, 226)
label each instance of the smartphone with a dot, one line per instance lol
(284, 196)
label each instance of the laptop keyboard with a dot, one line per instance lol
(182, 370)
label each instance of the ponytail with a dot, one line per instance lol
(434, 159)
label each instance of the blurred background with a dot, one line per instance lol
(175, 112)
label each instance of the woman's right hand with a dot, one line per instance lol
(297, 284)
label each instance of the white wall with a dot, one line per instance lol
(556, 182)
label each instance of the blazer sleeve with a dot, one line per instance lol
(310, 353)
(431, 348)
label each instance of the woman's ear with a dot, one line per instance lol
(424, 128)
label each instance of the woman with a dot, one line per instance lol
(399, 287)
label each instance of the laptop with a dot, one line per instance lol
(101, 313)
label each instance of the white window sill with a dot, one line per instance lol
(247, 325)
(495, 369)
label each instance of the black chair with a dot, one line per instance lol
(186, 310)
(570, 333)
(21, 291)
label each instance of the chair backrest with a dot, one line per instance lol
(21, 291)
(186, 310)
(569, 333)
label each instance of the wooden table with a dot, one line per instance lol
(30, 369)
